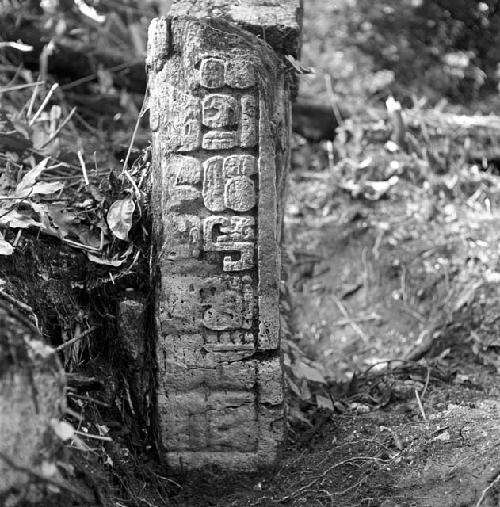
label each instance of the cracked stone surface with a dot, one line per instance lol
(220, 116)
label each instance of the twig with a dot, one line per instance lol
(81, 246)
(421, 350)
(363, 318)
(95, 437)
(90, 77)
(136, 128)
(58, 130)
(420, 406)
(135, 187)
(76, 381)
(388, 362)
(84, 167)
(326, 472)
(485, 491)
(144, 108)
(14, 88)
(426, 383)
(23, 306)
(24, 312)
(31, 104)
(167, 479)
(333, 102)
(44, 103)
(405, 308)
(90, 399)
(331, 156)
(74, 414)
(75, 339)
(398, 125)
(428, 337)
(25, 48)
(353, 324)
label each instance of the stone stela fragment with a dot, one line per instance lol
(219, 102)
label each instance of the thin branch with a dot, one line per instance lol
(58, 131)
(420, 406)
(426, 383)
(95, 437)
(75, 339)
(44, 103)
(333, 102)
(14, 88)
(91, 77)
(353, 324)
(84, 167)
(347, 461)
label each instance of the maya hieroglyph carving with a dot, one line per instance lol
(218, 109)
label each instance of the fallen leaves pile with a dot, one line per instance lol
(91, 209)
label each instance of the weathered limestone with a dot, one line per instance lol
(220, 116)
(132, 322)
(278, 22)
(31, 396)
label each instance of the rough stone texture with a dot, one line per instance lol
(132, 334)
(278, 22)
(31, 395)
(220, 116)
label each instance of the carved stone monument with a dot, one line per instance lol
(219, 102)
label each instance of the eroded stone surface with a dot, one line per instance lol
(220, 114)
(132, 332)
(31, 397)
(278, 22)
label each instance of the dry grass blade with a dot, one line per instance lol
(420, 406)
(351, 322)
(14, 88)
(84, 167)
(75, 339)
(53, 88)
(58, 130)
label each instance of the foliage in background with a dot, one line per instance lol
(436, 49)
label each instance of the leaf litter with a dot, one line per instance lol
(58, 198)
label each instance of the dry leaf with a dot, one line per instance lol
(5, 247)
(45, 187)
(297, 415)
(293, 387)
(18, 220)
(324, 402)
(25, 186)
(120, 218)
(302, 370)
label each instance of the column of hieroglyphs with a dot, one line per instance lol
(219, 112)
